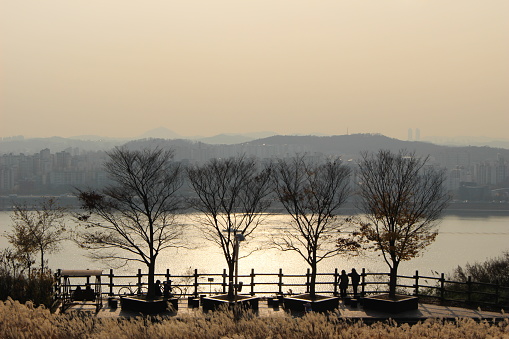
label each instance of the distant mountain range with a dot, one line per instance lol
(350, 146)
(165, 133)
(345, 145)
(469, 141)
(160, 133)
(237, 138)
(23, 145)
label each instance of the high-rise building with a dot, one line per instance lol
(410, 135)
(417, 134)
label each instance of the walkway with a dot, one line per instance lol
(347, 312)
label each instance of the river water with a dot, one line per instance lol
(460, 240)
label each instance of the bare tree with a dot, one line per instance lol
(134, 219)
(231, 196)
(312, 193)
(402, 199)
(37, 231)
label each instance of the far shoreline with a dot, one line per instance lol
(460, 208)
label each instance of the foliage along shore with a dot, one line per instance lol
(25, 321)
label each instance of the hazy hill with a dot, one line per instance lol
(232, 138)
(350, 146)
(226, 139)
(56, 144)
(160, 132)
(346, 146)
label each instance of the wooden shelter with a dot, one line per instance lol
(72, 292)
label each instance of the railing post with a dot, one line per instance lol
(307, 280)
(139, 279)
(111, 282)
(416, 290)
(224, 280)
(59, 282)
(167, 277)
(469, 289)
(442, 287)
(363, 282)
(252, 281)
(336, 277)
(196, 283)
(280, 283)
(57, 293)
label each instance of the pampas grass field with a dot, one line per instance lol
(25, 321)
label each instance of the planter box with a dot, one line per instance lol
(218, 301)
(139, 304)
(193, 302)
(384, 303)
(113, 303)
(320, 303)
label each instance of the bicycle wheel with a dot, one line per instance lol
(141, 291)
(176, 292)
(125, 291)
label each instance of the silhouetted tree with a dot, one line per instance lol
(38, 230)
(491, 271)
(402, 199)
(312, 194)
(231, 195)
(134, 218)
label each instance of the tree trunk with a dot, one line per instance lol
(312, 281)
(42, 261)
(393, 280)
(231, 277)
(151, 286)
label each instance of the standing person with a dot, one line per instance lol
(158, 292)
(166, 288)
(356, 278)
(343, 284)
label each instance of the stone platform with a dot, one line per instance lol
(347, 312)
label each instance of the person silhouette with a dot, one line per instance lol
(88, 294)
(157, 287)
(343, 284)
(78, 294)
(356, 278)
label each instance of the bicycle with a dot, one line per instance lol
(132, 290)
(171, 291)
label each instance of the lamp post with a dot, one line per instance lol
(238, 238)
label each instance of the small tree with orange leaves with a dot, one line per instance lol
(402, 199)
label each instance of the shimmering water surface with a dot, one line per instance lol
(460, 240)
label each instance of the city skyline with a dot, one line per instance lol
(120, 68)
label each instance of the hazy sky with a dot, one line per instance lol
(202, 67)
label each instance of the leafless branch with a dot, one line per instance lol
(137, 214)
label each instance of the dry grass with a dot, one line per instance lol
(25, 321)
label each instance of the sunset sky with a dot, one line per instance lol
(118, 68)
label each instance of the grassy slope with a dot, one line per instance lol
(24, 321)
